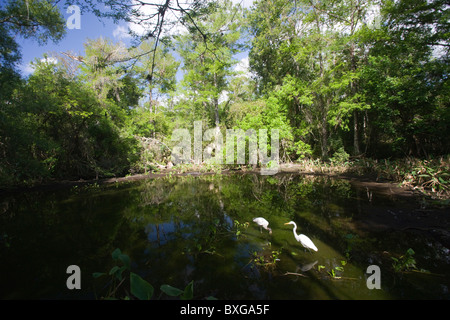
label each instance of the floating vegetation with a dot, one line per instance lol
(266, 259)
(404, 262)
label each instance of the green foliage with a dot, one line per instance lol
(266, 260)
(336, 271)
(186, 294)
(302, 149)
(332, 83)
(208, 65)
(37, 19)
(340, 156)
(139, 288)
(84, 139)
(431, 176)
(405, 262)
(240, 227)
(435, 178)
(171, 291)
(354, 81)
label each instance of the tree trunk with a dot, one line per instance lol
(355, 134)
(216, 103)
(324, 138)
(353, 88)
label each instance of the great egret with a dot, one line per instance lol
(304, 240)
(262, 223)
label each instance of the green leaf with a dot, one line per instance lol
(117, 272)
(114, 270)
(125, 260)
(171, 291)
(140, 288)
(116, 253)
(98, 274)
(188, 291)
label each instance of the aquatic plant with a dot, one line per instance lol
(239, 227)
(404, 262)
(138, 287)
(336, 272)
(266, 260)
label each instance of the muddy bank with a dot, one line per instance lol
(415, 213)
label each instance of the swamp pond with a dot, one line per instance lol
(178, 229)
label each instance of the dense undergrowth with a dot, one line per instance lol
(429, 176)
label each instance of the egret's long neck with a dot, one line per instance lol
(295, 229)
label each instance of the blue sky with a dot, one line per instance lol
(91, 27)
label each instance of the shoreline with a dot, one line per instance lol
(366, 180)
(431, 219)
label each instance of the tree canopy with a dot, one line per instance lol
(361, 78)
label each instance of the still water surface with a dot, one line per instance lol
(179, 229)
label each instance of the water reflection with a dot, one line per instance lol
(179, 229)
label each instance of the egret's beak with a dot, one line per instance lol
(286, 223)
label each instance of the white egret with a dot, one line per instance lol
(304, 240)
(262, 223)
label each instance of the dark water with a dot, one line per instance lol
(193, 228)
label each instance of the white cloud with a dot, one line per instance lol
(49, 60)
(149, 9)
(244, 3)
(26, 69)
(29, 68)
(121, 32)
(223, 96)
(242, 65)
(373, 16)
(244, 68)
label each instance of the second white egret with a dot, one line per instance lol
(262, 223)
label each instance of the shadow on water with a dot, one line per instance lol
(179, 229)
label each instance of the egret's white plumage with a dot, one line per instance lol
(304, 240)
(261, 222)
